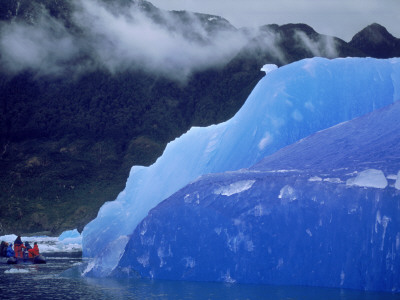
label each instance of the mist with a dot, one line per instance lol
(116, 40)
(45, 48)
(119, 37)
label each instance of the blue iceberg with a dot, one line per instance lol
(288, 104)
(324, 211)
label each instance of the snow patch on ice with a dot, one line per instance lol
(234, 188)
(269, 68)
(342, 277)
(16, 271)
(315, 178)
(144, 260)
(190, 262)
(369, 178)
(397, 183)
(385, 222)
(297, 116)
(260, 210)
(89, 267)
(265, 141)
(227, 277)
(287, 193)
(333, 180)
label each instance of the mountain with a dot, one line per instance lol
(376, 41)
(323, 212)
(83, 100)
(288, 104)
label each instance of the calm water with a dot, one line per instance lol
(45, 282)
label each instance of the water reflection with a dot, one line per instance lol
(172, 290)
(60, 279)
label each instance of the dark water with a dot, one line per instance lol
(45, 282)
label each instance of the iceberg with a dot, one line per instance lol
(266, 226)
(287, 105)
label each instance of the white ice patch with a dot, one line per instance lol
(162, 253)
(385, 222)
(16, 271)
(315, 178)
(296, 115)
(287, 193)
(332, 180)
(89, 267)
(397, 183)
(342, 277)
(250, 246)
(309, 106)
(265, 141)
(309, 232)
(260, 210)
(269, 68)
(144, 260)
(218, 230)
(189, 262)
(234, 188)
(369, 178)
(227, 277)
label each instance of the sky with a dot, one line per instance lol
(340, 18)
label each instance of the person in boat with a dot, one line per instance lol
(27, 246)
(34, 251)
(18, 248)
(3, 248)
(10, 251)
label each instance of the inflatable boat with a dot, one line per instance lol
(40, 259)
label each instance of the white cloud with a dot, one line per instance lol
(44, 47)
(115, 41)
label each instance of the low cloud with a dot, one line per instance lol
(45, 48)
(115, 40)
(325, 46)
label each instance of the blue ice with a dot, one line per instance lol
(287, 105)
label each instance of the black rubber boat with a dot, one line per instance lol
(40, 259)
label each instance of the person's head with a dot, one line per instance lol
(35, 243)
(10, 245)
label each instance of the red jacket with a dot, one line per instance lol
(34, 251)
(18, 250)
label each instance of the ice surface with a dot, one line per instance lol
(269, 68)
(369, 178)
(397, 183)
(287, 229)
(71, 237)
(17, 271)
(287, 105)
(234, 188)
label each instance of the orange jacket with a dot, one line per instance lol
(18, 250)
(34, 251)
